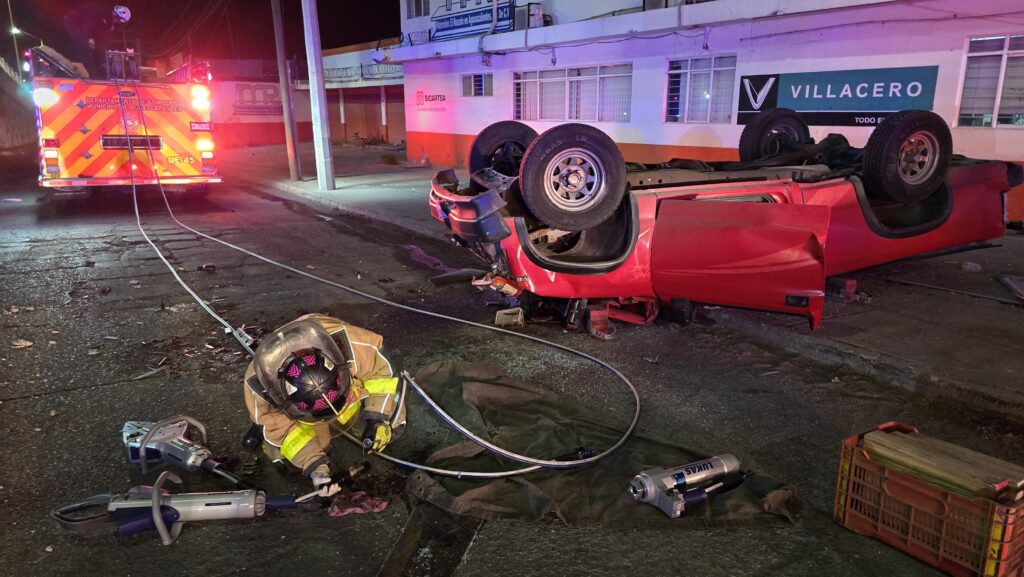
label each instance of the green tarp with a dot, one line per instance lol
(533, 421)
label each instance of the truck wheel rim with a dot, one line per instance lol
(574, 179)
(507, 157)
(918, 157)
(780, 139)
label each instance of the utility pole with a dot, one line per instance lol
(285, 80)
(318, 98)
(17, 53)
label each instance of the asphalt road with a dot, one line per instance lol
(100, 309)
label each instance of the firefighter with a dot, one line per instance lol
(313, 378)
(93, 29)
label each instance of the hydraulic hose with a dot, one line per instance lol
(138, 218)
(535, 464)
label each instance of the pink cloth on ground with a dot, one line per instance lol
(358, 502)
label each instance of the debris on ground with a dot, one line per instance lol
(12, 310)
(134, 282)
(20, 344)
(90, 263)
(653, 360)
(357, 502)
(417, 254)
(104, 290)
(845, 290)
(513, 317)
(93, 352)
(782, 501)
(150, 373)
(970, 266)
(954, 291)
(1014, 283)
(208, 267)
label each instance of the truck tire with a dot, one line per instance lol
(773, 131)
(573, 177)
(907, 157)
(501, 146)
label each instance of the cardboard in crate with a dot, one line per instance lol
(961, 536)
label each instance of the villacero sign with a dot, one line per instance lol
(839, 97)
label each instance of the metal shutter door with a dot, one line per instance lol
(396, 113)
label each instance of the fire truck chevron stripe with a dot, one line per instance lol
(72, 117)
(77, 146)
(78, 143)
(94, 166)
(67, 100)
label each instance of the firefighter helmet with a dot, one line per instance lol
(122, 14)
(301, 371)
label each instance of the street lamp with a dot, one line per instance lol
(16, 31)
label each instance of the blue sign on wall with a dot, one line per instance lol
(469, 17)
(840, 97)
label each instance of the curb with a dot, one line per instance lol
(905, 374)
(314, 200)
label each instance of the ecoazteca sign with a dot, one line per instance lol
(458, 19)
(839, 97)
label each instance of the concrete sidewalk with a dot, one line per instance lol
(372, 182)
(959, 337)
(940, 342)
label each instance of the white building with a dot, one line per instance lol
(679, 80)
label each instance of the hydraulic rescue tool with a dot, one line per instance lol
(168, 441)
(684, 487)
(143, 508)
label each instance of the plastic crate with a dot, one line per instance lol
(958, 535)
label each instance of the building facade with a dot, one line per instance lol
(365, 99)
(667, 79)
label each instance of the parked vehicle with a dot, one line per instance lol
(101, 132)
(563, 216)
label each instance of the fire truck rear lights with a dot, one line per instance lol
(50, 143)
(204, 144)
(200, 126)
(207, 154)
(45, 97)
(50, 154)
(200, 97)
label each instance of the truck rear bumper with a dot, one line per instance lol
(76, 182)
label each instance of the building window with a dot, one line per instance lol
(417, 8)
(594, 93)
(477, 84)
(700, 90)
(993, 86)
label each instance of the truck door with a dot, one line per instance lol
(766, 256)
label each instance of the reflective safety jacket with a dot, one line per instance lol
(372, 397)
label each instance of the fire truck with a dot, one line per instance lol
(119, 130)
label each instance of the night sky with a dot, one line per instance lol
(214, 28)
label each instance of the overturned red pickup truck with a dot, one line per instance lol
(562, 218)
